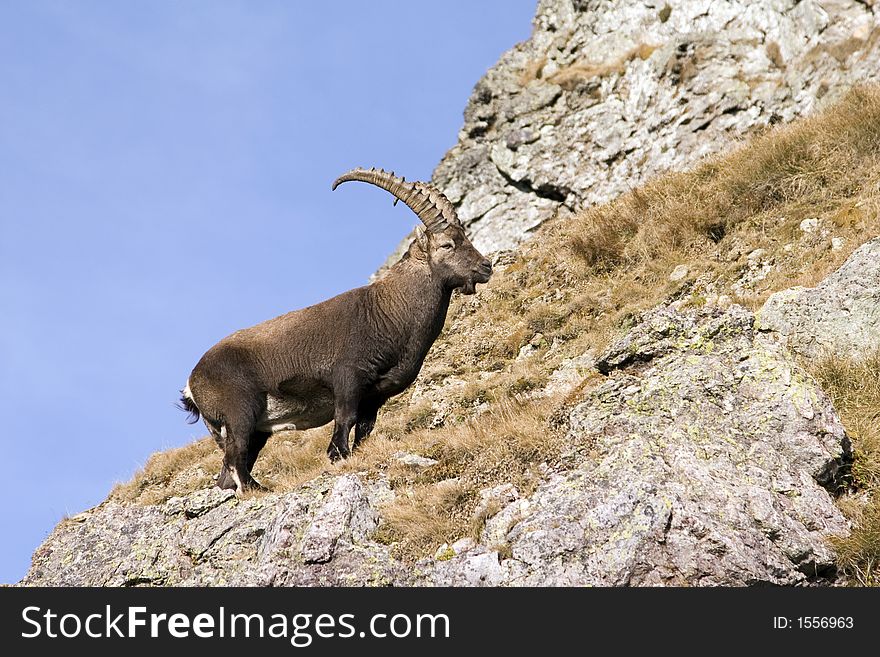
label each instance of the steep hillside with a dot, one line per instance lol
(606, 411)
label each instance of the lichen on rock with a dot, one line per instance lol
(709, 459)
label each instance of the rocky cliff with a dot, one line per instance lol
(635, 398)
(607, 94)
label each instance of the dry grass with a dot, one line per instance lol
(858, 555)
(572, 75)
(532, 71)
(575, 286)
(511, 443)
(854, 386)
(172, 472)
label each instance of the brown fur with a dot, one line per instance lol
(336, 360)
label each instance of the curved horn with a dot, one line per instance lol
(428, 202)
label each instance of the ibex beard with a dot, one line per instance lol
(340, 359)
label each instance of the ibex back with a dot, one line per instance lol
(340, 359)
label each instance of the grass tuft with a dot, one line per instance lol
(854, 387)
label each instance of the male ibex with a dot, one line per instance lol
(340, 359)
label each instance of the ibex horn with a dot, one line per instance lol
(428, 202)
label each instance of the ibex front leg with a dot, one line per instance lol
(237, 459)
(346, 406)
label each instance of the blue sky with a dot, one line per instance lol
(166, 171)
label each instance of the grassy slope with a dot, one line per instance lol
(575, 286)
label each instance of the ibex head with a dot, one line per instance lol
(443, 244)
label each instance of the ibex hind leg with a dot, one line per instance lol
(255, 444)
(241, 443)
(219, 433)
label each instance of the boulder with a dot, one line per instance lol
(840, 316)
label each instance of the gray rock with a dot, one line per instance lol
(346, 514)
(460, 546)
(253, 542)
(199, 503)
(569, 374)
(494, 499)
(841, 315)
(680, 272)
(710, 451)
(810, 225)
(757, 255)
(709, 457)
(525, 352)
(659, 334)
(470, 569)
(463, 545)
(497, 526)
(606, 95)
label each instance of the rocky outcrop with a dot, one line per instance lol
(705, 457)
(606, 95)
(841, 315)
(315, 536)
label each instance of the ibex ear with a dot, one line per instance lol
(422, 238)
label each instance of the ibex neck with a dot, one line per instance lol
(415, 298)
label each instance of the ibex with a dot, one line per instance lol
(340, 359)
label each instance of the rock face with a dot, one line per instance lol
(841, 315)
(607, 94)
(315, 536)
(704, 459)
